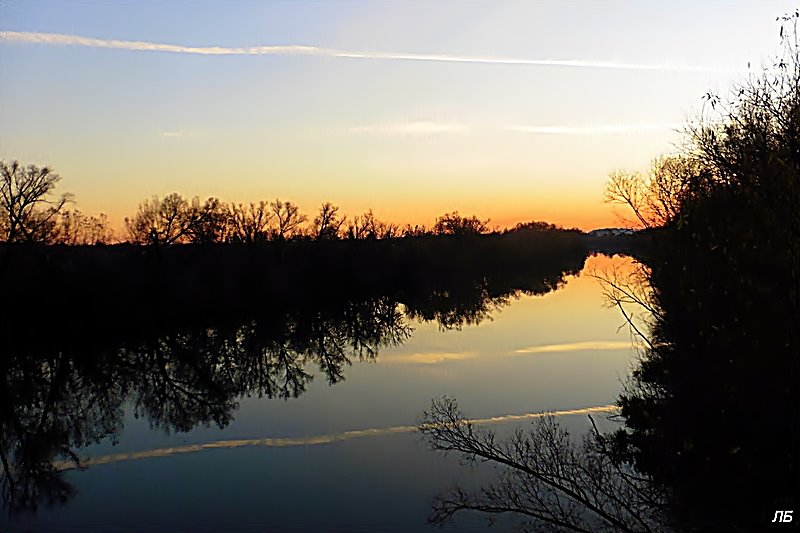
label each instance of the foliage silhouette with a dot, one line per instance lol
(327, 223)
(75, 228)
(27, 214)
(455, 224)
(655, 199)
(548, 479)
(724, 343)
(173, 220)
(250, 223)
(288, 219)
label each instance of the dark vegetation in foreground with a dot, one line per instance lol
(710, 414)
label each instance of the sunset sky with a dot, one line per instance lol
(508, 110)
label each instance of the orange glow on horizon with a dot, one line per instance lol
(582, 220)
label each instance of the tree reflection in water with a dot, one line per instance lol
(61, 392)
(708, 442)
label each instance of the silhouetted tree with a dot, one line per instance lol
(415, 230)
(327, 223)
(75, 228)
(378, 229)
(535, 225)
(720, 339)
(209, 222)
(655, 198)
(455, 224)
(368, 226)
(547, 478)
(250, 223)
(161, 221)
(355, 229)
(723, 342)
(288, 219)
(27, 211)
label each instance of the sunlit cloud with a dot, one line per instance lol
(428, 358)
(77, 40)
(419, 127)
(306, 441)
(596, 130)
(574, 347)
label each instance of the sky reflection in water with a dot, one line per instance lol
(345, 455)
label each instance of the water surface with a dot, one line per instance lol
(330, 444)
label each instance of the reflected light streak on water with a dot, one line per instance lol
(277, 442)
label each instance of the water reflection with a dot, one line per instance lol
(709, 435)
(282, 442)
(60, 393)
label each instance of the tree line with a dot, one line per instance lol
(174, 219)
(31, 212)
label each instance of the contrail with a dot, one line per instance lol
(91, 42)
(280, 442)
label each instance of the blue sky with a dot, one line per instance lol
(408, 108)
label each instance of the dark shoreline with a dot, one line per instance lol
(59, 289)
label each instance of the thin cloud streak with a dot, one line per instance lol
(595, 130)
(574, 347)
(428, 358)
(306, 441)
(91, 42)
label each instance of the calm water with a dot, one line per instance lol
(342, 456)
